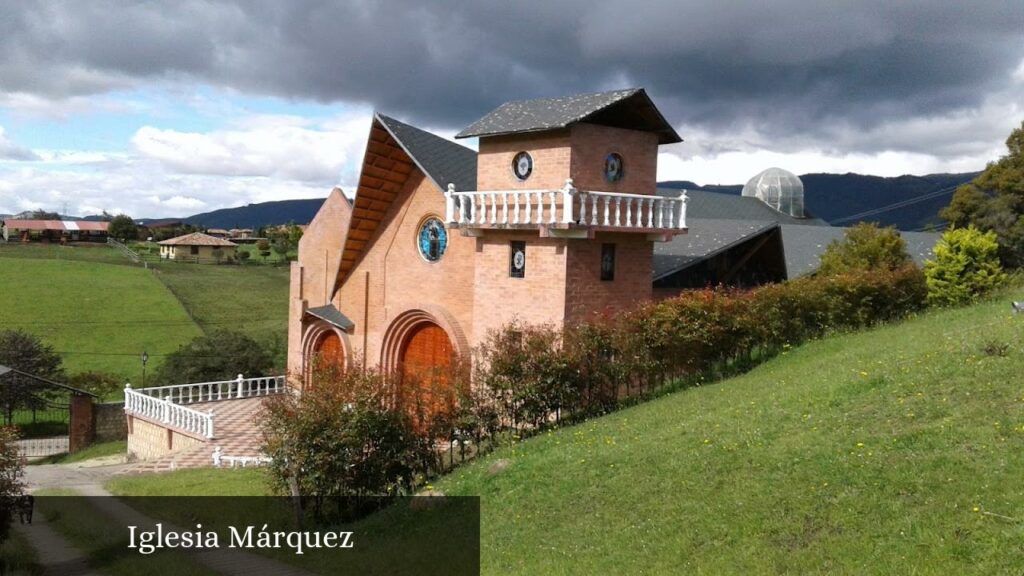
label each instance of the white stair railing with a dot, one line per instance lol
(167, 412)
(565, 206)
(166, 404)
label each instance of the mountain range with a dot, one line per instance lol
(907, 202)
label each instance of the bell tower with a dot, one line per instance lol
(566, 208)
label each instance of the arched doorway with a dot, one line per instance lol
(424, 361)
(328, 354)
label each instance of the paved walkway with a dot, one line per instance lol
(236, 431)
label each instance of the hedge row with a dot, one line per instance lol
(542, 374)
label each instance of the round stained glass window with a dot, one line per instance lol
(432, 240)
(522, 165)
(613, 167)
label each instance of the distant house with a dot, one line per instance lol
(197, 247)
(218, 233)
(17, 230)
(240, 233)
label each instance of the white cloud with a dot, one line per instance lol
(280, 147)
(11, 151)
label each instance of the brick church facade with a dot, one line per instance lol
(553, 219)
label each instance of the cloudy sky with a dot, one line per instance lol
(173, 108)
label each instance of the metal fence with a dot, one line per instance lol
(40, 447)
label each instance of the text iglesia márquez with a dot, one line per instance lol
(149, 541)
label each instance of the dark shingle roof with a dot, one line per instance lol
(637, 111)
(804, 246)
(332, 315)
(719, 206)
(443, 161)
(704, 238)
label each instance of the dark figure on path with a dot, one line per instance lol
(24, 505)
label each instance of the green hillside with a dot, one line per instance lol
(894, 451)
(98, 316)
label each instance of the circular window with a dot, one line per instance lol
(432, 239)
(522, 165)
(613, 167)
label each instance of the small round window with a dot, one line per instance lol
(432, 240)
(613, 167)
(522, 165)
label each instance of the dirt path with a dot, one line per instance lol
(87, 478)
(56, 555)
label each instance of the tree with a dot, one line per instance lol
(966, 266)
(44, 215)
(244, 255)
(281, 248)
(23, 351)
(865, 247)
(263, 247)
(123, 228)
(12, 470)
(220, 355)
(994, 201)
(294, 234)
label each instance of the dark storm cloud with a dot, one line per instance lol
(770, 65)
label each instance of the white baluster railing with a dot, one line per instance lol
(566, 206)
(166, 404)
(167, 412)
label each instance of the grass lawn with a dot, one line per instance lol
(95, 451)
(97, 316)
(84, 252)
(249, 299)
(17, 556)
(104, 541)
(194, 482)
(892, 451)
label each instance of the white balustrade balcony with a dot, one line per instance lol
(566, 212)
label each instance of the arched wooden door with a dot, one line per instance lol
(328, 352)
(425, 359)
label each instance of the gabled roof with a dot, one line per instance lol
(630, 108)
(443, 161)
(196, 239)
(804, 246)
(722, 206)
(704, 238)
(71, 225)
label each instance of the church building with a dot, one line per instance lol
(553, 219)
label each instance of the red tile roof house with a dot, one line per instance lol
(15, 230)
(554, 218)
(197, 247)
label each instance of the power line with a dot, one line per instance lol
(895, 205)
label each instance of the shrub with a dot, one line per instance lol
(342, 437)
(220, 355)
(865, 247)
(101, 384)
(966, 265)
(12, 471)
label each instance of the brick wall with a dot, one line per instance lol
(109, 422)
(148, 441)
(592, 143)
(537, 298)
(586, 293)
(80, 429)
(398, 277)
(551, 152)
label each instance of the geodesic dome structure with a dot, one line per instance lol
(778, 188)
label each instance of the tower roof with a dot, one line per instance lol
(631, 109)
